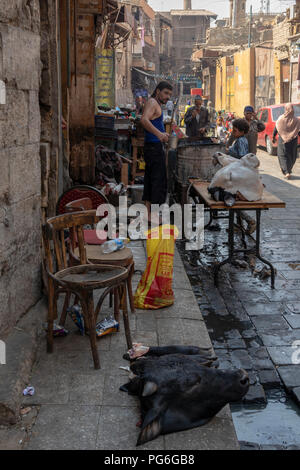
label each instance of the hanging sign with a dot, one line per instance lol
(104, 78)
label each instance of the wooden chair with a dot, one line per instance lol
(80, 280)
(85, 204)
(94, 253)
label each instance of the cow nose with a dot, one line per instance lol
(244, 380)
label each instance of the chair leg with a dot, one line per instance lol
(92, 328)
(110, 299)
(63, 316)
(52, 299)
(116, 305)
(129, 286)
(125, 316)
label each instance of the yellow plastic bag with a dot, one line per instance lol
(155, 287)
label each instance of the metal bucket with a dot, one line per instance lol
(173, 142)
(194, 159)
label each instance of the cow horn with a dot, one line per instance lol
(149, 389)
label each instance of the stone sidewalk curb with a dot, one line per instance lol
(21, 346)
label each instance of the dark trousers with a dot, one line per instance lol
(155, 179)
(287, 154)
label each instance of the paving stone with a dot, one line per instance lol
(65, 427)
(269, 379)
(248, 334)
(290, 375)
(296, 394)
(185, 306)
(270, 308)
(256, 394)
(280, 338)
(86, 389)
(187, 332)
(281, 355)
(49, 389)
(123, 419)
(245, 445)
(293, 320)
(113, 396)
(256, 297)
(233, 334)
(241, 359)
(271, 447)
(218, 434)
(294, 307)
(278, 295)
(270, 322)
(291, 275)
(236, 343)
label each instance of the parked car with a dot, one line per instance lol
(269, 115)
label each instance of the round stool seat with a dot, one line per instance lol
(95, 255)
(91, 276)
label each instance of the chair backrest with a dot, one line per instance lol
(83, 204)
(56, 257)
(80, 192)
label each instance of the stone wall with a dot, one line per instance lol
(20, 175)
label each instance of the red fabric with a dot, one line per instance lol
(90, 237)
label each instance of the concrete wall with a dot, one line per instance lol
(20, 176)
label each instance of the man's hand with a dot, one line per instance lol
(274, 140)
(163, 136)
(202, 130)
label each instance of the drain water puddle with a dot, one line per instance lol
(276, 423)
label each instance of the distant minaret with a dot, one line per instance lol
(187, 4)
(237, 13)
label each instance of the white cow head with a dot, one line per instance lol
(238, 175)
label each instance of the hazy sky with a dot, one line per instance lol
(220, 7)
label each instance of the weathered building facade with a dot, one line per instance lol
(188, 28)
(22, 75)
(163, 44)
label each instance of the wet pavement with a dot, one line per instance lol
(253, 326)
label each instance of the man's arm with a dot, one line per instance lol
(148, 114)
(230, 140)
(188, 116)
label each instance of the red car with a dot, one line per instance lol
(269, 115)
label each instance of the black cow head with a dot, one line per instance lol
(178, 392)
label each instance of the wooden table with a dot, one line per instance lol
(268, 201)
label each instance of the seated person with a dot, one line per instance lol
(240, 147)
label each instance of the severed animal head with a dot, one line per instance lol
(238, 176)
(179, 392)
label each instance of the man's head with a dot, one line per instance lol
(248, 112)
(240, 127)
(163, 92)
(198, 101)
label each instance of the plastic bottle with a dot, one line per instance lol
(114, 245)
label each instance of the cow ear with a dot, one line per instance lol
(149, 389)
(151, 427)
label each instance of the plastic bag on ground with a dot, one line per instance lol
(155, 287)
